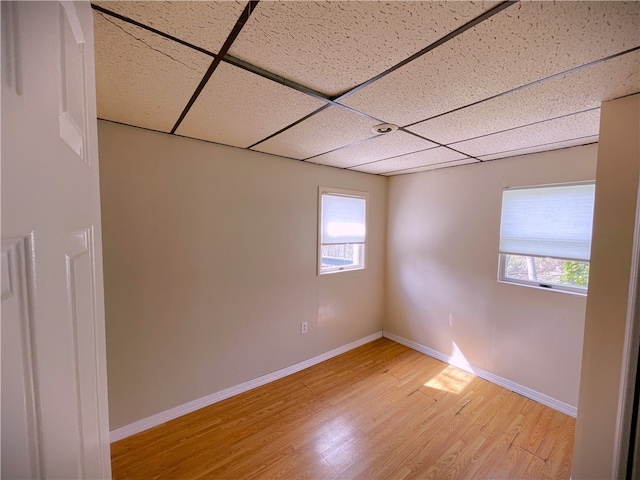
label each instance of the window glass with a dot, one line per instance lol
(545, 236)
(342, 230)
(547, 271)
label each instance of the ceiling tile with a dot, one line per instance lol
(570, 93)
(334, 46)
(382, 146)
(238, 108)
(413, 160)
(331, 128)
(560, 129)
(542, 148)
(143, 79)
(436, 166)
(525, 42)
(204, 24)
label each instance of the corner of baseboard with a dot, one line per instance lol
(491, 377)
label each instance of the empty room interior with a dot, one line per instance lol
(304, 223)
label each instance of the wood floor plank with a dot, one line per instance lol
(493, 450)
(381, 411)
(559, 461)
(512, 465)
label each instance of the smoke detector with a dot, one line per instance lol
(384, 128)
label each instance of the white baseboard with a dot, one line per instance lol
(491, 377)
(162, 417)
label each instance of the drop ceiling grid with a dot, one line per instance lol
(332, 128)
(334, 46)
(571, 93)
(412, 160)
(142, 78)
(479, 63)
(234, 121)
(437, 166)
(541, 148)
(376, 148)
(204, 24)
(239, 108)
(560, 129)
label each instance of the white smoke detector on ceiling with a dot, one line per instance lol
(384, 128)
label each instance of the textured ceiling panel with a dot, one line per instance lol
(334, 46)
(238, 108)
(523, 43)
(325, 131)
(565, 128)
(383, 146)
(204, 24)
(413, 160)
(143, 79)
(436, 166)
(542, 148)
(570, 93)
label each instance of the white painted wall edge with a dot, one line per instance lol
(162, 417)
(503, 382)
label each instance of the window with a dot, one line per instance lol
(545, 236)
(342, 230)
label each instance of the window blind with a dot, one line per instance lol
(554, 221)
(343, 219)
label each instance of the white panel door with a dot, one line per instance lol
(54, 393)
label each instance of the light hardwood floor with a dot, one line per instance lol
(379, 411)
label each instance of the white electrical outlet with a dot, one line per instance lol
(451, 319)
(304, 326)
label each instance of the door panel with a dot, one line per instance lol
(81, 301)
(51, 218)
(73, 119)
(20, 436)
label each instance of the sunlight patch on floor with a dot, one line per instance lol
(455, 377)
(450, 379)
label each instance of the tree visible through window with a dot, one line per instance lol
(548, 270)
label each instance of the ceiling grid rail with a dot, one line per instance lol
(450, 36)
(244, 17)
(530, 84)
(458, 31)
(250, 7)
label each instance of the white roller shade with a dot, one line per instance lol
(343, 219)
(548, 221)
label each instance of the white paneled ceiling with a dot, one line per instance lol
(332, 128)
(579, 90)
(524, 43)
(556, 130)
(335, 46)
(376, 148)
(203, 24)
(456, 163)
(541, 147)
(143, 79)
(466, 82)
(221, 115)
(425, 158)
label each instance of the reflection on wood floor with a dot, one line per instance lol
(379, 411)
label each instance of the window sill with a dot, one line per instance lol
(538, 286)
(341, 270)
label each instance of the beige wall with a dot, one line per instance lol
(442, 262)
(210, 267)
(607, 306)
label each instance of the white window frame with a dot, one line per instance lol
(502, 259)
(361, 247)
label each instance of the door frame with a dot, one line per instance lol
(627, 447)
